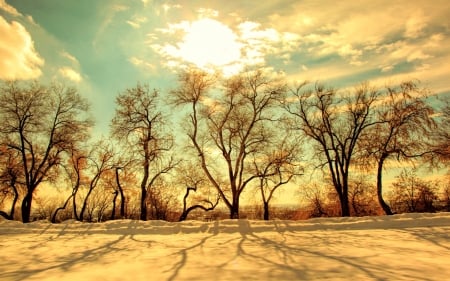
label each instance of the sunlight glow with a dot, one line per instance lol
(208, 43)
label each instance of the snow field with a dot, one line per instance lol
(401, 247)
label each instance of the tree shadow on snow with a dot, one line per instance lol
(88, 253)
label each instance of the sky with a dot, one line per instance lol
(103, 47)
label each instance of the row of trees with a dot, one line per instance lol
(250, 131)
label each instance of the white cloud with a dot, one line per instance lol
(70, 57)
(207, 13)
(141, 63)
(18, 58)
(387, 68)
(70, 74)
(205, 43)
(166, 8)
(136, 21)
(9, 9)
(210, 43)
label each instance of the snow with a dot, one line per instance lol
(400, 247)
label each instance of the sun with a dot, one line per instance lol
(209, 43)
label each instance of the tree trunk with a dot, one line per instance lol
(6, 216)
(26, 206)
(122, 196)
(113, 212)
(266, 211)
(186, 210)
(53, 219)
(345, 204)
(387, 210)
(74, 206)
(143, 216)
(83, 208)
(345, 207)
(343, 201)
(16, 197)
(234, 209)
(146, 168)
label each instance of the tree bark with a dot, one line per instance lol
(387, 210)
(122, 196)
(234, 209)
(53, 219)
(186, 210)
(26, 206)
(266, 211)
(16, 197)
(113, 212)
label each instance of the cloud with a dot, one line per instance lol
(207, 13)
(165, 8)
(205, 43)
(70, 74)
(141, 63)
(18, 58)
(415, 24)
(209, 43)
(71, 58)
(136, 21)
(9, 9)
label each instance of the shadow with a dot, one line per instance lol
(234, 249)
(280, 257)
(184, 253)
(435, 236)
(52, 235)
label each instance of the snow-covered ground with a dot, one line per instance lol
(401, 247)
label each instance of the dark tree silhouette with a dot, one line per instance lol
(139, 125)
(276, 165)
(404, 131)
(42, 124)
(227, 128)
(334, 122)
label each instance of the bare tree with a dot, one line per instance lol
(41, 124)
(442, 134)
(195, 181)
(404, 129)
(9, 173)
(162, 200)
(362, 197)
(117, 192)
(74, 168)
(276, 165)
(228, 125)
(334, 123)
(139, 125)
(412, 194)
(100, 161)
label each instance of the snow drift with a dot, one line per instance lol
(401, 247)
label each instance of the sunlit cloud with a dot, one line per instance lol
(70, 74)
(70, 57)
(207, 13)
(205, 43)
(210, 44)
(141, 63)
(9, 9)
(137, 21)
(18, 57)
(165, 8)
(415, 24)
